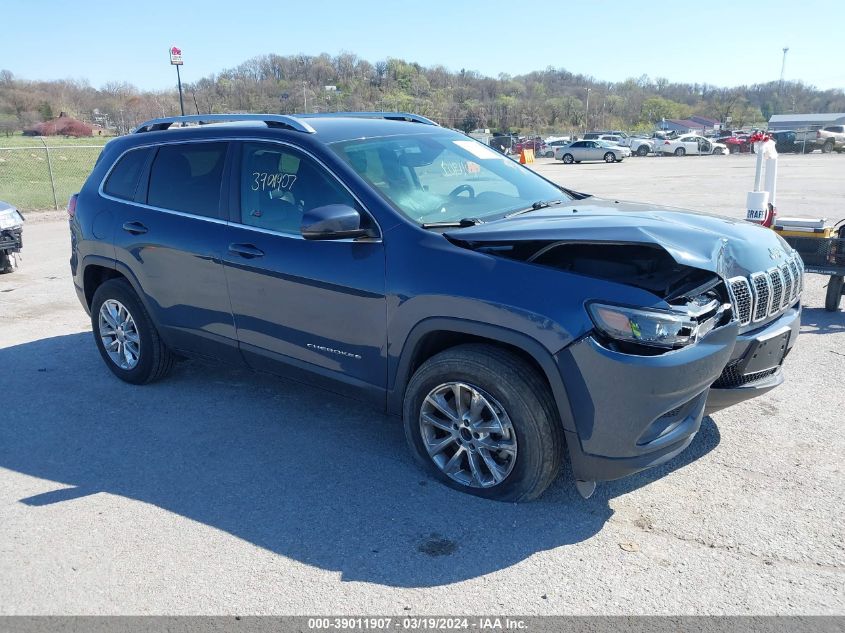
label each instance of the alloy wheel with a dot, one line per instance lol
(468, 435)
(119, 334)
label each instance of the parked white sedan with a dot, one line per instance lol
(690, 144)
(592, 150)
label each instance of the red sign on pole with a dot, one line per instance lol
(175, 56)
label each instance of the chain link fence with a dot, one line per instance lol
(43, 176)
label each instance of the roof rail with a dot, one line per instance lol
(272, 120)
(390, 116)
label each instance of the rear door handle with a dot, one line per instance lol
(246, 250)
(136, 228)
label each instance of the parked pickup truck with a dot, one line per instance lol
(831, 138)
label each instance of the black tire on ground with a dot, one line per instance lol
(827, 148)
(522, 393)
(610, 157)
(549, 154)
(5, 264)
(568, 159)
(154, 359)
(680, 151)
(733, 149)
(642, 150)
(834, 293)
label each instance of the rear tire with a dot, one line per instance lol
(532, 447)
(568, 159)
(152, 359)
(733, 149)
(642, 150)
(834, 293)
(680, 151)
(827, 148)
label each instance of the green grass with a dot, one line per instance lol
(19, 140)
(25, 176)
(24, 173)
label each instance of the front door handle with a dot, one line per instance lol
(246, 250)
(136, 228)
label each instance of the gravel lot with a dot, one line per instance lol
(228, 492)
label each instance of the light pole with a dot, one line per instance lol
(587, 112)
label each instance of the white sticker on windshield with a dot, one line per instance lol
(477, 149)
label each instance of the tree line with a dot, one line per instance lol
(543, 101)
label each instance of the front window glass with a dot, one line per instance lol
(445, 177)
(279, 184)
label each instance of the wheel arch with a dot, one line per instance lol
(98, 270)
(437, 334)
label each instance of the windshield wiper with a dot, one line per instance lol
(540, 204)
(462, 223)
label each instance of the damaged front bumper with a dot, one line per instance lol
(755, 364)
(11, 240)
(630, 413)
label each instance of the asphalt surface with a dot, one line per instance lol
(226, 492)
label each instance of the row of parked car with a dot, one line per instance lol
(616, 145)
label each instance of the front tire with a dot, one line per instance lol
(834, 293)
(482, 420)
(610, 157)
(126, 336)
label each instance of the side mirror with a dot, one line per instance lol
(333, 222)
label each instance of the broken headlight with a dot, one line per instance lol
(10, 218)
(655, 328)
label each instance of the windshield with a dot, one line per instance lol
(445, 177)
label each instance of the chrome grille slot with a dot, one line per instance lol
(742, 299)
(797, 277)
(761, 288)
(787, 285)
(777, 289)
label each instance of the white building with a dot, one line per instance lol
(805, 121)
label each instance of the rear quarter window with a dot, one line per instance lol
(122, 182)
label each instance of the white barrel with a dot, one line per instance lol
(772, 179)
(757, 206)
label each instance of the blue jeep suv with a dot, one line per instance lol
(509, 321)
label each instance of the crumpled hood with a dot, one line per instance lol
(722, 245)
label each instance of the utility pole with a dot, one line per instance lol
(782, 68)
(587, 112)
(304, 99)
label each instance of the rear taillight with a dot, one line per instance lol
(818, 134)
(71, 205)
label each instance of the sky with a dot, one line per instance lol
(720, 42)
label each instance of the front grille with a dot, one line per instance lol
(767, 292)
(742, 299)
(732, 378)
(761, 287)
(788, 285)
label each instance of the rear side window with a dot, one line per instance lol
(187, 178)
(123, 179)
(835, 128)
